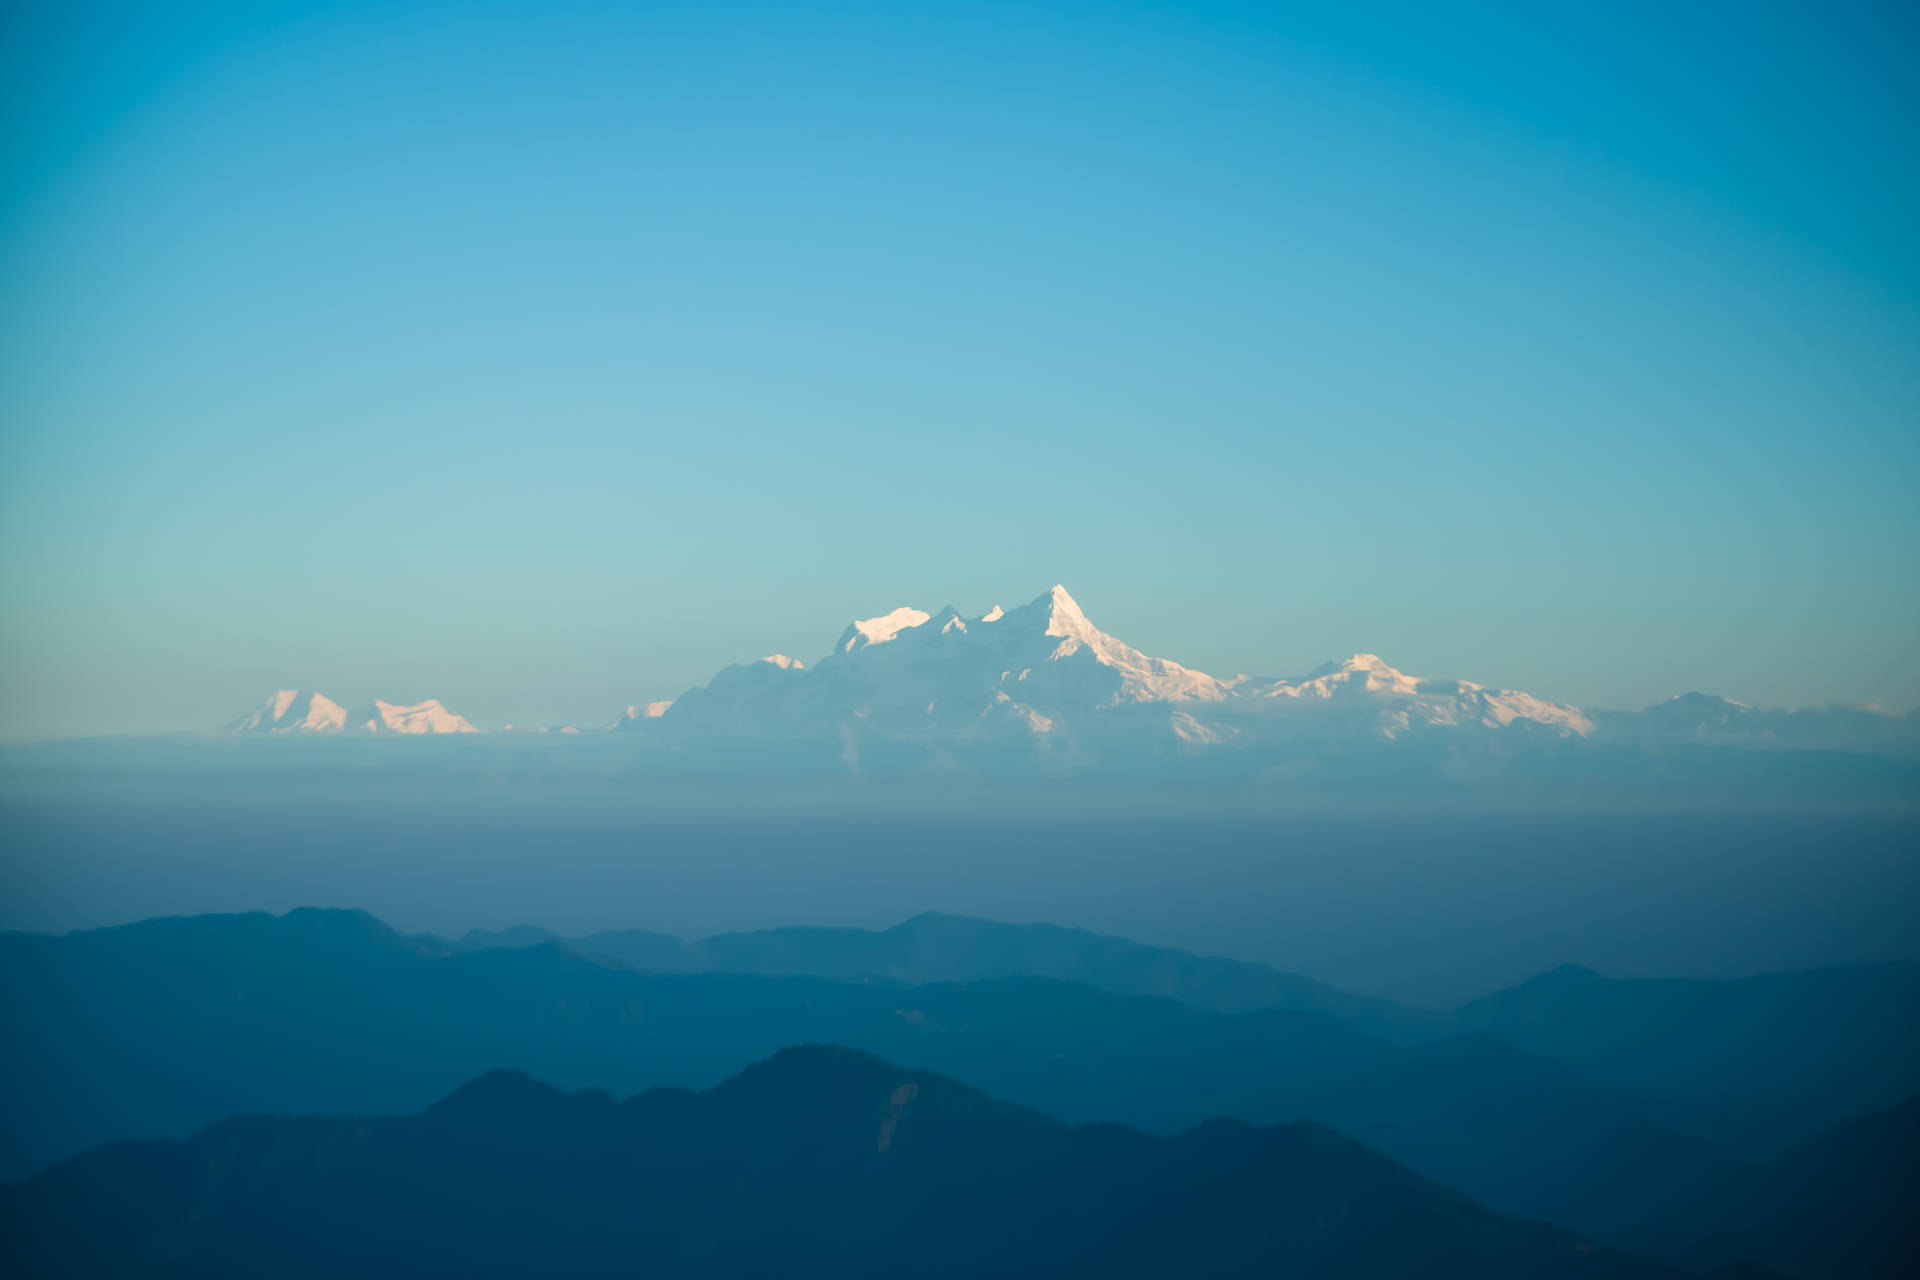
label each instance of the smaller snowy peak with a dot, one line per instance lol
(643, 715)
(994, 614)
(1362, 672)
(776, 670)
(1369, 683)
(1501, 707)
(1358, 662)
(293, 711)
(871, 631)
(1706, 701)
(411, 718)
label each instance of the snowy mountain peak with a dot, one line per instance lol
(1359, 663)
(867, 631)
(1064, 617)
(1129, 675)
(411, 718)
(292, 711)
(948, 621)
(1395, 702)
(1706, 700)
(644, 715)
(781, 661)
(1366, 671)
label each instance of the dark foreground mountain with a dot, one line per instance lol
(821, 1161)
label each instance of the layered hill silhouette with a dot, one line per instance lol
(937, 947)
(1713, 1047)
(820, 1161)
(155, 1029)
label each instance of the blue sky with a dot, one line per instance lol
(543, 358)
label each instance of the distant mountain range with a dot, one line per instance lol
(820, 1161)
(291, 711)
(1627, 1110)
(1040, 689)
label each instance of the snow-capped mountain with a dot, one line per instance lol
(293, 711)
(1399, 702)
(1040, 686)
(1043, 677)
(915, 674)
(418, 717)
(642, 716)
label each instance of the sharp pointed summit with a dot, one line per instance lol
(1062, 611)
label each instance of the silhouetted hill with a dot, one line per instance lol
(820, 1161)
(156, 1029)
(945, 948)
(644, 951)
(519, 935)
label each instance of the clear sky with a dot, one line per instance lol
(545, 357)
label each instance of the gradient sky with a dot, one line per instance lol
(545, 358)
